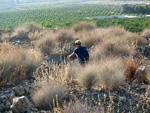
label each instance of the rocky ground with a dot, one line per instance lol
(130, 97)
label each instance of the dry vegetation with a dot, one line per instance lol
(112, 63)
(48, 94)
(17, 63)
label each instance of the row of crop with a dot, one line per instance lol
(55, 16)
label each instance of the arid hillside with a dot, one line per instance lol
(36, 74)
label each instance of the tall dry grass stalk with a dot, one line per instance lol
(17, 63)
(50, 91)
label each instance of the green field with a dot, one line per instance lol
(65, 16)
(56, 16)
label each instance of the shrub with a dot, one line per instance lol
(17, 63)
(90, 38)
(5, 36)
(146, 33)
(25, 29)
(88, 76)
(33, 35)
(83, 25)
(49, 91)
(115, 31)
(47, 44)
(134, 39)
(131, 68)
(111, 48)
(82, 107)
(65, 36)
(111, 73)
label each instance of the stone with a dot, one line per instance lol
(140, 73)
(143, 87)
(8, 103)
(134, 86)
(2, 107)
(26, 90)
(148, 91)
(146, 111)
(19, 90)
(123, 99)
(11, 97)
(20, 104)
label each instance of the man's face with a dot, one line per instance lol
(76, 45)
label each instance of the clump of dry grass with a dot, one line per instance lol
(134, 39)
(33, 35)
(90, 38)
(4, 36)
(146, 33)
(65, 36)
(83, 25)
(88, 76)
(24, 30)
(131, 67)
(111, 73)
(47, 44)
(82, 107)
(17, 63)
(111, 48)
(49, 95)
(114, 31)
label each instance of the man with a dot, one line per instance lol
(81, 52)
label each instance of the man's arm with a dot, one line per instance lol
(72, 55)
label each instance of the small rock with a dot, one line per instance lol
(123, 99)
(8, 103)
(19, 90)
(2, 107)
(148, 91)
(4, 97)
(26, 90)
(20, 104)
(12, 96)
(134, 86)
(140, 111)
(143, 87)
(146, 111)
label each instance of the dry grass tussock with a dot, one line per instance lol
(65, 36)
(51, 94)
(83, 25)
(17, 63)
(111, 73)
(25, 29)
(134, 39)
(131, 67)
(120, 34)
(82, 107)
(90, 38)
(47, 44)
(111, 48)
(146, 33)
(87, 76)
(112, 31)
